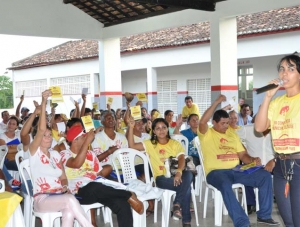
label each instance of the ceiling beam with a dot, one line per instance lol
(206, 5)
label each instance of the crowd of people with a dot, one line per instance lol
(66, 163)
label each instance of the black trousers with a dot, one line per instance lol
(115, 199)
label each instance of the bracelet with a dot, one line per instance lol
(179, 171)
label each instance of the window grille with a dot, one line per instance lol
(72, 85)
(32, 88)
(167, 96)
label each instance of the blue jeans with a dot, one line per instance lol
(11, 165)
(261, 179)
(7, 175)
(183, 192)
(289, 208)
(250, 196)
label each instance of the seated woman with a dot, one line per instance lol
(48, 176)
(169, 118)
(11, 138)
(159, 148)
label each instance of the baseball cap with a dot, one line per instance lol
(24, 109)
(74, 132)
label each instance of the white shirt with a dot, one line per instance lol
(45, 172)
(257, 144)
(102, 143)
(3, 127)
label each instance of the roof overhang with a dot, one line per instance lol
(112, 12)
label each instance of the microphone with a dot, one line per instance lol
(268, 87)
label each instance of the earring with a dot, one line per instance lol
(155, 137)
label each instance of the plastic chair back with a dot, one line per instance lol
(125, 157)
(183, 140)
(3, 152)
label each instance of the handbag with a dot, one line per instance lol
(171, 166)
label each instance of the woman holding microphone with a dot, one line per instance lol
(282, 116)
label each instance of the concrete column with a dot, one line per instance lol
(223, 44)
(110, 72)
(152, 88)
(95, 88)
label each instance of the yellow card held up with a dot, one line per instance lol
(88, 123)
(156, 115)
(142, 97)
(136, 112)
(56, 94)
(95, 106)
(109, 100)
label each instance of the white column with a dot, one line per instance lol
(110, 72)
(152, 88)
(223, 43)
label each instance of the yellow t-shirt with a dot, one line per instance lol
(284, 116)
(55, 135)
(123, 124)
(188, 111)
(220, 149)
(158, 153)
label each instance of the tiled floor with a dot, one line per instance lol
(207, 222)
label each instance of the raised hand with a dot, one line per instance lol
(131, 123)
(221, 98)
(45, 95)
(83, 96)
(272, 92)
(179, 120)
(90, 136)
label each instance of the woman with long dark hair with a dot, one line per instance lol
(159, 148)
(282, 116)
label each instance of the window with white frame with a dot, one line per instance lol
(31, 88)
(200, 90)
(167, 96)
(72, 84)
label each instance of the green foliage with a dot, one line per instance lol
(6, 93)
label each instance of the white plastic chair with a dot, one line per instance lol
(183, 140)
(47, 218)
(124, 157)
(199, 178)
(218, 199)
(27, 198)
(105, 210)
(166, 200)
(3, 153)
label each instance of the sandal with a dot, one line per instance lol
(186, 225)
(149, 212)
(176, 213)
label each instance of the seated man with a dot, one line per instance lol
(82, 167)
(222, 151)
(108, 140)
(189, 108)
(244, 115)
(260, 145)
